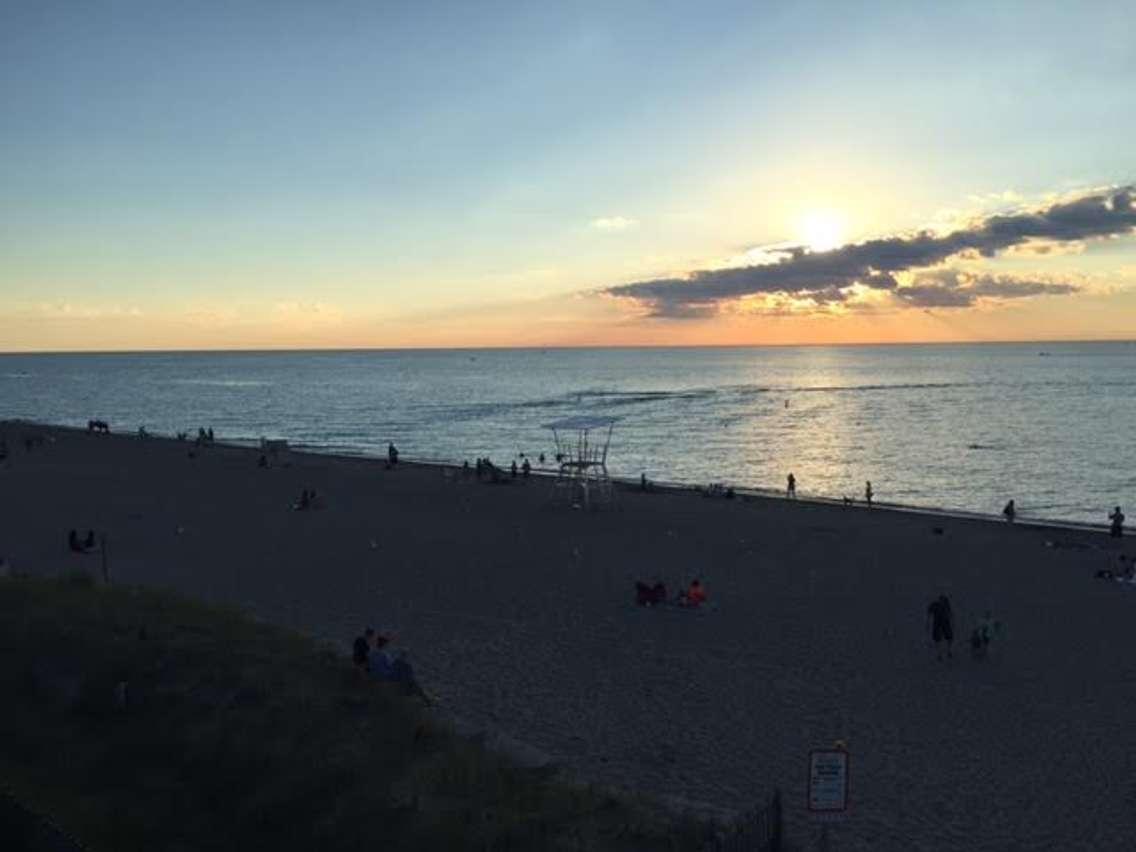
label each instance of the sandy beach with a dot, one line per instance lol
(520, 615)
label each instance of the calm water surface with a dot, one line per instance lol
(952, 426)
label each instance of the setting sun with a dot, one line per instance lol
(821, 230)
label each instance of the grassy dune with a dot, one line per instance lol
(239, 735)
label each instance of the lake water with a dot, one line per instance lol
(946, 426)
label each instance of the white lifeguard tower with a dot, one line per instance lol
(581, 454)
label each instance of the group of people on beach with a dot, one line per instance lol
(791, 491)
(370, 655)
(941, 628)
(656, 594)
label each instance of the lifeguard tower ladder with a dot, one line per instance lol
(581, 452)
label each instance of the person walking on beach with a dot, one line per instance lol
(868, 493)
(1117, 518)
(940, 622)
(791, 490)
(1009, 512)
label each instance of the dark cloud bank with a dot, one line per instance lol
(824, 276)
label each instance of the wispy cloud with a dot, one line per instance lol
(613, 223)
(833, 277)
(71, 310)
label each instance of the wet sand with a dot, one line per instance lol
(519, 614)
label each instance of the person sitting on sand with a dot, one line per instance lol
(940, 621)
(791, 490)
(403, 674)
(361, 649)
(1009, 512)
(695, 594)
(380, 664)
(650, 595)
(1116, 530)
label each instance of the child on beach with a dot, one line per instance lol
(987, 630)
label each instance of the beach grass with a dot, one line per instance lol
(233, 734)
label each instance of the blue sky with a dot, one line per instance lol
(390, 164)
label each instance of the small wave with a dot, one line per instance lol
(983, 447)
(17, 375)
(222, 383)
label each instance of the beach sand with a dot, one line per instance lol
(519, 614)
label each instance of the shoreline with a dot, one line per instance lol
(745, 493)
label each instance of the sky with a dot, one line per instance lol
(387, 174)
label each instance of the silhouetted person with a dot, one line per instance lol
(541, 458)
(868, 493)
(526, 469)
(791, 490)
(1010, 512)
(513, 469)
(73, 542)
(392, 454)
(361, 648)
(941, 624)
(1116, 530)
(89, 541)
(262, 461)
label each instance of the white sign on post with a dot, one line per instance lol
(828, 785)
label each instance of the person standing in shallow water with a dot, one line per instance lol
(868, 493)
(1010, 512)
(791, 489)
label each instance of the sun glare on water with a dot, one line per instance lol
(821, 230)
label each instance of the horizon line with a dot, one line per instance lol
(561, 347)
